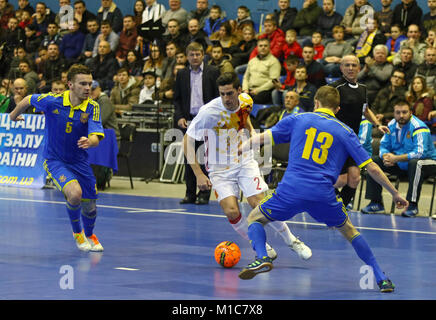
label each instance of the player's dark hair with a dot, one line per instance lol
(228, 78)
(328, 96)
(76, 69)
(403, 103)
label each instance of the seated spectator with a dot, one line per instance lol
(133, 64)
(394, 41)
(430, 41)
(165, 92)
(138, 9)
(261, 70)
(169, 60)
(406, 64)
(376, 72)
(6, 12)
(413, 41)
(20, 53)
(225, 36)
(306, 20)
(291, 46)
(328, 19)
(195, 34)
(82, 15)
(315, 70)
(219, 59)
(127, 38)
(351, 21)
(32, 41)
(429, 19)
(243, 16)
(181, 57)
(408, 141)
(241, 52)
(155, 61)
(13, 36)
(427, 69)
(175, 34)
(106, 34)
(58, 87)
(384, 17)
(104, 66)
(370, 38)
(72, 43)
(40, 60)
(285, 16)
(90, 38)
(406, 13)
(420, 97)
(387, 97)
(291, 106)
(290, 65)
(125, 92)
(42, 17)
(25, 19)
(200, 13)
(19, 92)
(52, 67)
(110, 12)
(275, 36)
(52, 35)
(148, 89)
(175, 12)
(29, 75)
(318, 47)
(305, 89)
(334, 51)
(213, 23)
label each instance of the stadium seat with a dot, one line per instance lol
(258, 107)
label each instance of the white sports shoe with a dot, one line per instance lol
(94, 243)
(81, 241)
(271, 252)
(301, 249)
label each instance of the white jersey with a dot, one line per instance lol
(222, 132)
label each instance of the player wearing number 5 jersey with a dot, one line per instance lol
(73, 124)
(319, 146)
(222, 123)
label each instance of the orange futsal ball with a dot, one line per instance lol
(227, 254)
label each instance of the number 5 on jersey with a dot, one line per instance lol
(69, 127)
(319, 155)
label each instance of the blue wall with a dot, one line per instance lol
(257, 7)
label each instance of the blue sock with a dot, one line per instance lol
(74, 214)
(257, 235)
(364, 252)
(88, 220)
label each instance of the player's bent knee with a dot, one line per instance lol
(256, 216)
(73, 193)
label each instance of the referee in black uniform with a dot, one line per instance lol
(354, 105)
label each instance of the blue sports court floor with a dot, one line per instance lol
(156, 249)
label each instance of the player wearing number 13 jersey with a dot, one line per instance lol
(221, 123)
(319, 146)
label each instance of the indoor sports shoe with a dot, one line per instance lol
(95, 244)
(411, 211)
(81, 241)
(373, 207)
(271, 252)
(386, 286)
(301, 249)
(258, 266)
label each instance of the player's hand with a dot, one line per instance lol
(16, 118)
(83, 143)
(400, 202)
(182, 123)
(204, 183)
(384, 129)
(389, 159)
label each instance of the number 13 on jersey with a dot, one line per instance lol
(319, 155)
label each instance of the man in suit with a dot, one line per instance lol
(195, 86)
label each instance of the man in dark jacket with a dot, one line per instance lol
(285, 16)
(104, 66)
(406, 13)
(109, 11)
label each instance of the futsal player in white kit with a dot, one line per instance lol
(223, 124)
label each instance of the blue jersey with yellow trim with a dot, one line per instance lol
(66, 124)
(319, 146)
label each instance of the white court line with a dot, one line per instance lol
(126, 269)
(182, 211)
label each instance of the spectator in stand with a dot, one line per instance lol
(165, 92)
(317, 45)
(334, 51)
(376, 72)
(328, 19)
(138, 9)
(428, 68)
(261, 70)
(384, 17)
(429, 19)
(291, 45)
(175, 35)
(406, 13)
(306, 20)
(200, 13)
(19, 91)
(40, 61)
(315, 70)
(90, 38)
(305, 89)
(32, 41)
(420, 97)
(133, 64)
(127, 40)
(225, 36)
(13, 36)
(243, 17)
(6, 11)
(169, 60)
(351, 20)
(106, 34)
(148, 89)
(213, 23)
(24, 19)
(29, 75)
(276, 39)
(82, 15)
(42, 18)
(155, 62)
(285, 16)
(406, 64)
(58, 87)
(241, 52)
(24, 5)
(52, 35)
(394, 41)
(196, 34)
(52, 67)
(430, 41)
(181, 57)
(175, 12)
(370, 38)
(72, 43)
(125, 92)
(219, 59)
(104, 66)
(290, 64)
(110, 12)
(413, 41)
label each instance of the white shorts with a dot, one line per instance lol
(246, 178)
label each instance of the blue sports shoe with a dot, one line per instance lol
(386, 286)
(411, 211)
(374, 207)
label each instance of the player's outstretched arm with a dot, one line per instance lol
(379, 176)
(255, 141)
(15, 115)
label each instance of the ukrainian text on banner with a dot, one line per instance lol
(21, 148)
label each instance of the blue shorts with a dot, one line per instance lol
(331, 212)
(63, 173)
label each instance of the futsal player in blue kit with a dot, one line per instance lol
(73, 124)
(319, 146)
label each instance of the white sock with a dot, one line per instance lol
(283, 230)
(240, 225)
